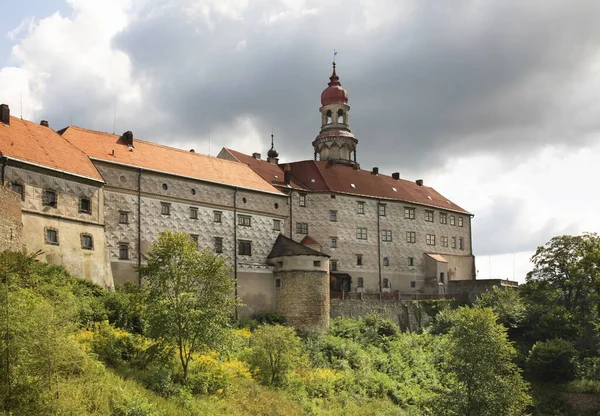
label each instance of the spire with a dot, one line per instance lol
(272, 154)
(334, 80)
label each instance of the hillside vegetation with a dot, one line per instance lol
(69, 347)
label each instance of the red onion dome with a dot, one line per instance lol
(334, 93)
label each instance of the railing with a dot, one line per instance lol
(396, 295)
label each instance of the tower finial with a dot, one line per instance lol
(272, 154)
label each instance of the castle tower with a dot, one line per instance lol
(335, 142)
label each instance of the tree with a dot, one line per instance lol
(505, 303)
(553, 360)
(275, 352)
(189, 295)
(487, 381)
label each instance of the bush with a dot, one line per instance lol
(113, 346)
(275, 352)
(590, 368)
(552, 360)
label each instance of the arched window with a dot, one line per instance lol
(340, 116)
(328, 116)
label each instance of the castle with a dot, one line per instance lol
(294, 234)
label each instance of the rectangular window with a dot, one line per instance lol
(461, 243)
(277, 283)
(49, 198)
(413, 284)
(301, 228)
(18, 188)
(276, 225)
(430, 239)
(361, 233)
(411, 237)
(244, 220)
(85, 205)
(452, 220)
(51, 236)
(386, 261)
(460, 221)
(333, 216)
(165, 208)
(194, 238)
(453, 242)
(333, 242)
(360, 282)
(429, 216)
(444, 242)
(360, 205)
(123, 217)
(87, 242)
(386, 283)
(193, 213)
(244, 248)
(333, 266)
(382, 210)
(386, 235)
(359, 260)
(443, 218)
(409, 213)
(218, 216)
(317, 263)
(302, 200)
(218, 244)
(411, 261)
(123, 252)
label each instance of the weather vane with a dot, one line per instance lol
(334, 54)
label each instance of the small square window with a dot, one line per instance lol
(276, 225)
(194, 238)
(382, 210)
(49, 198)
(244, 248)
(218, 216)
(386, 283)
(386, 261)
(333, 216)
(443, 218)
(429, 216)
(165, 208)
(411, 261)
(386, 235)
(333, 242)
(277, 283)
(316, 263)
(85, 205)
(123, 217)
(409, 213)
(123, 252)
(301, 228)
(361, 207)
(245, 220)
(360, 282)
(452, 220)
(218, 244)
(444, 242)
(51, 236)
(87, 242)
(333, 265)
(413, 284)
(193, 213)
(18, 188)
(460, 221)
(361, 233)
(359, 260)
(411, 236)
(430, 239)
(302, 200)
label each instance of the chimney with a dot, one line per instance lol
(44, 123)
(128, 137)
(396, 175)
(287, 174)
(375, 171)
(5, 114)
(256, 156)
(419, 182)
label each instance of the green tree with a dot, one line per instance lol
(189, 295)
(275, 352)
(486, 380)
(505, 303)
(553, 360)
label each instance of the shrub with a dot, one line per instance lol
(275, 352)
(590, 368)
(552, 360)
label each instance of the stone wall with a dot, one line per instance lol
(11, 226)
(474, 288)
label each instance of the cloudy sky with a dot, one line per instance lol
(494, 103)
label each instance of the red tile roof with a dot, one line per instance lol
(152, 156)
(30, 142)
(268, 171)
(309, 241)
(325, 176)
